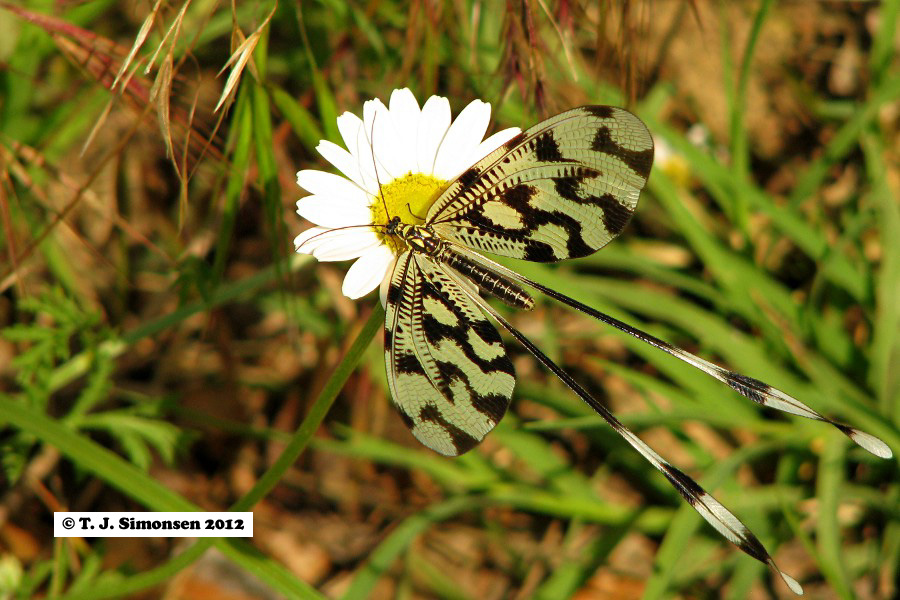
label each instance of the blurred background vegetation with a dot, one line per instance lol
(163, 349)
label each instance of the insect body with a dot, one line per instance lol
(424, 241)
(562, 189)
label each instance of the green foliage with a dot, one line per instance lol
(56, 326)
(131, 267)
(56, 322)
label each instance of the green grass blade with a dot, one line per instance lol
(240, 163)
(844, 141)
(302, 122)
(387, 552)
(105, 464)
(884, 376)
(740, 147)
(316, 414)
(830, 480)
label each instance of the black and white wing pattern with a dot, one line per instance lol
(447, 368)
(561, 189)
(722, 519)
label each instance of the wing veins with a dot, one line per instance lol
(712, 511)
(419, 307)
(417, 334)
(753, 389)
(485, 195)
(397, 311)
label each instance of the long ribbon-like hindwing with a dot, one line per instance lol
(702, 501)
(562, 189)
(754, 389)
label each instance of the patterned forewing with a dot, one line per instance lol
(447, 368)
(561, 189)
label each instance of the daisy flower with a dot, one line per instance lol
(398, 160)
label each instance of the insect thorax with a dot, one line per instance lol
(421, 239)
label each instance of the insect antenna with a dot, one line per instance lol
(333, 229)
(371, 139)
(392, 222)
(409, 208)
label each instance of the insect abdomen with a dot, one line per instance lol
(490, 281)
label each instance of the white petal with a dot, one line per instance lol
(463, 137)
(492, 143)
(349, 244)
(329, 184)
(335, 201)
(356, 140)
(320, 241)
(345, 162)
(433, 124)
(386, 282)
(382, 137)
(307, 241)
(338, 244)
(349, 126)
(361, 149)
(333, 211)
(405, 113)
(367, 272)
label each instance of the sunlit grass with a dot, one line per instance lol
(147, 257)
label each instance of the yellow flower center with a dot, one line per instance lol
(408, 197)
